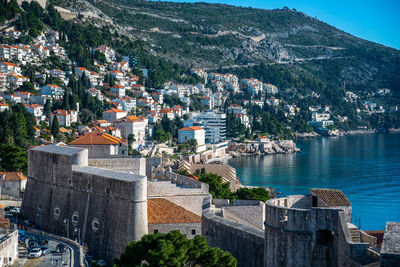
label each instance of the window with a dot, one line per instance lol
(156, 231)
(57, 211)
(40, 206)
(108, 190)
(74, 218)
(95, 225)
(193, 231)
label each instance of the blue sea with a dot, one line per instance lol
(365, 167)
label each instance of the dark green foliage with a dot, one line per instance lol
(196, 104)
(100, 57)
(30, 20)
(167, 129)
(8, 10)
(173, 249)
(217, 188)
(259, 193)
(27, 87)
(173, 100)
(55, 128)
(220, 190)
(13, 158)
(234, 128)
(16, 134)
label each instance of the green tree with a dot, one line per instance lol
(13, 158)
(47, 108)
(173, 249)
(55, 127)
(66, 100)
(27, 87)
(258, 193)
(217, 188)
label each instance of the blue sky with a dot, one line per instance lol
(374, 20)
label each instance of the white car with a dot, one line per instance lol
(35, 253)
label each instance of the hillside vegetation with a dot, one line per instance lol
(215, 36)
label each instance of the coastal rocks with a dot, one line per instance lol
(305, 135)
(262, 148)
(394, 130)
(354, 132)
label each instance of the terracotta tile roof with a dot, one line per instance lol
(331, 197)
(9, 64)
(194, 128)
(113, 110)
(13, 176)
(53, 85)
(133, 119)
(161, 211)
(96, 138)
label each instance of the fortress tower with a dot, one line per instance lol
(104, 209)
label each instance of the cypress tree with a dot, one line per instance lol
(55, 127)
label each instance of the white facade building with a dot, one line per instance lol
(197, 133)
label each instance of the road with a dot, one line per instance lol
(54, 258)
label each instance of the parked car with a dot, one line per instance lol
(61, 248)
(35, 253)
(45, 250)
(101, 263)
(8, 208)
(33, 244)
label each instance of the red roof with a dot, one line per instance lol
(13, 176)
(194, 128)
(113, 110)
(96, 138)
(162, 211)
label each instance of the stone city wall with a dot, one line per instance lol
(245, 243)
(132, 165)
(181, 190)
(190, 229)
(250, 214)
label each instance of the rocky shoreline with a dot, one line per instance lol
(333, 133)
(236, 149)
(394, 130)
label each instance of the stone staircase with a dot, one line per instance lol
(355, 233)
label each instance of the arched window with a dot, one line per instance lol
(57, 211)
(95, 225)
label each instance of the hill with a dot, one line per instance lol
(216, 36)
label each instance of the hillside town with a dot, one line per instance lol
(112, 159)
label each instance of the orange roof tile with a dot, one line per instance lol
(331, 197)
(96, 138)
(194, 128)
(113, 110)
(13, 176)
(160, 211)
(133, 119)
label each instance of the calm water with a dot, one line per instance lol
(365, 167)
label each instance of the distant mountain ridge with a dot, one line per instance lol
(216, 36)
